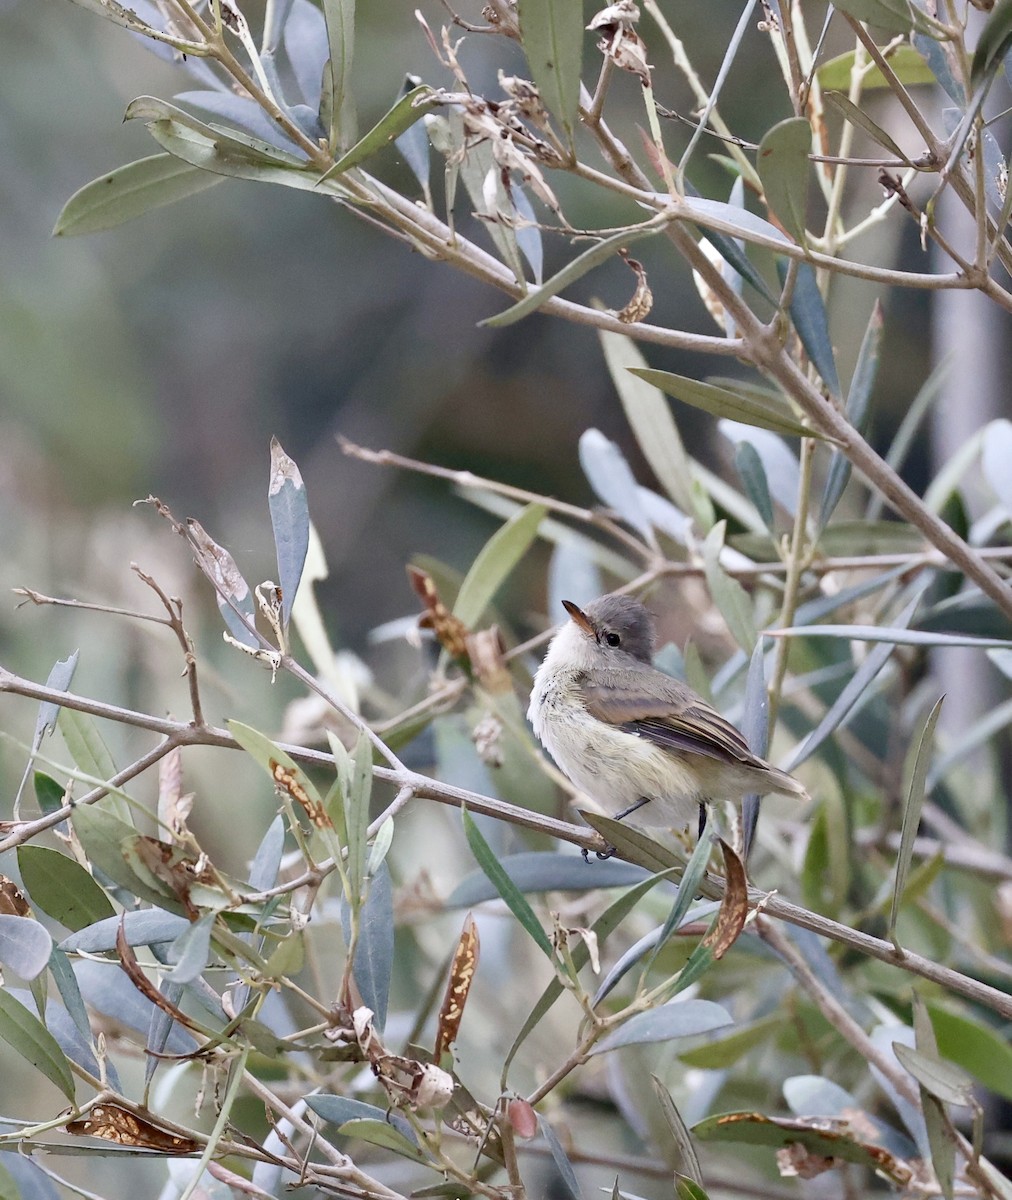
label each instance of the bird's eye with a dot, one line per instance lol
(613, 639)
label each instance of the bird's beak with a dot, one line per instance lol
(580, 617)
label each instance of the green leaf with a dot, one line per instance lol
(402, 116)
(688, 1189)
(338, 1110)
(552, 36)
(379, 1133)
(356, 817)
(992, 45)
(895, 16)
(917, 774)
(727, 593)
(560, 1158)
(85, 744)
(723, 402)
(26, 1034)
(782, 163)
(858, 405)
(107, 841)
(650, 419)
(270, 757)
(753, 476)
(940, 1143)
(286, 498)
(340, 17)
(609, 474)
(687, 1162)
(688, 885)
(944, 1080)
(374, 946)
(676, 1019)
(575, 269)
(495, 561)
(25, 945)
(505, 886)
(808, 312)
(895, 637)
(721, 1052)
(908, 66)
(976, 1047)
(62, 888)
(48, 793)
(859, 118)
(129, 192)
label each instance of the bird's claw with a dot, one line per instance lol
(602, 855)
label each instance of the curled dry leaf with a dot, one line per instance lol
(12, 899)
(485, 649)
(487, 738)
(733, 908)
(175, 867)
(450, 631)
(638, 308)
(133, 971)
(619, 40)
(462, 969)
(406, 1081)
(115, 1124)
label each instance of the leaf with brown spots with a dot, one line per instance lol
(288, 780)
(115, 1124)
(450, 631)
(12, 899)
(465, 962)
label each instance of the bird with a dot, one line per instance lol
(633, 739)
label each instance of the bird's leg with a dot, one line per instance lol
(702, 821)
(633, 808)
(608, 851)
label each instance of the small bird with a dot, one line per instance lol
(630, 737)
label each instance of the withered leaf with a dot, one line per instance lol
(638, 308)
(115, 1124)
(462, 968)
(288, 781)
(734, 906)
(12, 899)
(450, 631)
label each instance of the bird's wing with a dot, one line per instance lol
(668, 713)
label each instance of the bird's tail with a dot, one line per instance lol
(786, 785)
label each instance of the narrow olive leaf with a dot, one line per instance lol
(373, 960)
(25, 946)
(552, 36)
(687, 1162)
(782, 163)
(495, 562)
(614, 484)
(905, 62)
(639, 950)
(750, 468)
(858, 407)
(286, 498)
(602, 928)
(894, 636)
(338, 1110)
(755, 726)
(545, 871)
(231, 591)
(808, 313)
(918, 772)
(244, 148)
(49, 793)
(727, 593)
(60, 677)
(62, 888)
(505, 886)
(649, 417)
(894, 16)
(688, 886)
(356, 817)
(856, 688)
(992, 45)
(689, 1189)
(70, 993)
(263, 872)
(401, 117)
(340, 17)
(130, 192)
(856, 116)
(381, 1133)
(944, 1080)
(85, 744)
(190, 953)
(26, 1034)
(413, 143)
(941, 1143)
(560, 1158)
(575, 269)
(144, 927)
(677, 1019)
(723, 402)
(726, 225)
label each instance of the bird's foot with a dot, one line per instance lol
(602, 855)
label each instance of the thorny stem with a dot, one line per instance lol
(427, 788)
